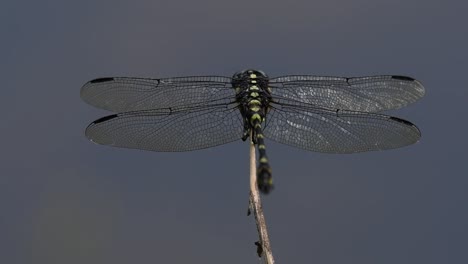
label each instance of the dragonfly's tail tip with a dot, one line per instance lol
(264, 179)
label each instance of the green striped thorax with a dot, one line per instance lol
(252, 94)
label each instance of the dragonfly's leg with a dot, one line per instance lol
(246, 134)
(254, 137)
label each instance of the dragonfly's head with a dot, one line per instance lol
(244, 79)
(249, 74)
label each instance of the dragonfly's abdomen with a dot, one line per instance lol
(264, 177)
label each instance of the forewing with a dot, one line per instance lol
(168, 130)
(366, 94)
(322, 130)
(122, 94)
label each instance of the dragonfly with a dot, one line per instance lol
(314, 113)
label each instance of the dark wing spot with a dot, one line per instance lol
(403, 78)
(101, 80)
(402, 121)
(103, 119)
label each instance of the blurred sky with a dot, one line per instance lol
(66, 200)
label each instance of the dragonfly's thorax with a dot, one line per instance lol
(252, 94)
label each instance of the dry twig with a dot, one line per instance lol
(263, 245)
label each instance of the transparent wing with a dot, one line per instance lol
(122, 94)
(366, 94)
(168, 129)
(342, 131)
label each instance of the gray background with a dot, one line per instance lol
(66, 200)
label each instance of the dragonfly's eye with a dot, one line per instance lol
(247, 73)
(238, 75)
(261, 73)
